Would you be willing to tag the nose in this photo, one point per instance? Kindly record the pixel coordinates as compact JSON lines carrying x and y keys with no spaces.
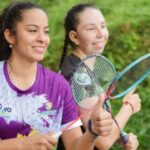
{"x":42,"y":37}
{"x":99,"y":32}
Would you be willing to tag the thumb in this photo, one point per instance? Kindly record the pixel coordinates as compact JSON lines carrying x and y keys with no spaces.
{"x":100,"y":102}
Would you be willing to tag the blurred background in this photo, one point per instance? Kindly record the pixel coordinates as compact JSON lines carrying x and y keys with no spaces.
{"x":128,"y":22}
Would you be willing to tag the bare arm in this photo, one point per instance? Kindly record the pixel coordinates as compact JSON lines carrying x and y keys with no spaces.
{"x":75,"y":140}
{"x":106,"y":142}
{"x":36,"y":142}
{"x":11,"y":144}
{"x":122,"y":119}
{"x":101,"y":124}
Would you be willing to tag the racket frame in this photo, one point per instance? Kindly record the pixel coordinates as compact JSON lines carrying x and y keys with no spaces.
{"x":120,"y":74}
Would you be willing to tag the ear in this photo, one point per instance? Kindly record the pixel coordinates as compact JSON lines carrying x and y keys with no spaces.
{"x":74,"y":37}
{"x":9,"y":36}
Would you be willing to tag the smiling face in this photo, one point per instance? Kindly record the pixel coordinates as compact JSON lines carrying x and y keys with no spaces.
{"x":31,"y":39}
{"x":91,"y":33}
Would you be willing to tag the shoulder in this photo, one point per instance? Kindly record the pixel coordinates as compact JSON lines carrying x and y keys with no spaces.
{"x":70,"y":61}
{"x":69,"y":65}
{"x":51,"y":76}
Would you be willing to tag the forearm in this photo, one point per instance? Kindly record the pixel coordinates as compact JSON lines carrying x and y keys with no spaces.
{"x":11,"y":144}
{"x":105,"y":143}
{"x":123,"y":115}
{"x":84,"y":142}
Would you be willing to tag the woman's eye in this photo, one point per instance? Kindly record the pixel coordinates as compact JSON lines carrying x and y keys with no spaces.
{"x":90,"y":28}
{"x":103,"y":26}
{"x":47,"y":32}
{"x":32,"y":31}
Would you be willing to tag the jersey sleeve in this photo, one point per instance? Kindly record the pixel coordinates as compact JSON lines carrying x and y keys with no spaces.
{"x":70,"y":111}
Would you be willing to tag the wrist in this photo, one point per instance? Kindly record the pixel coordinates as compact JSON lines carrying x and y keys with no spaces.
{"x":95,"y":135}
{"x":128,"y":103}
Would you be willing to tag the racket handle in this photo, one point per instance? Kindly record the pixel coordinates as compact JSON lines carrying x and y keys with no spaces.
{"x":124,"y":137}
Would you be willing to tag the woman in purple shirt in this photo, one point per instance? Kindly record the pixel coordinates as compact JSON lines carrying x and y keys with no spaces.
{"x":36,"y":103}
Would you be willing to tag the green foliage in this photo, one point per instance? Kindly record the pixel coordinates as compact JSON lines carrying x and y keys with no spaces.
{"x":128,"y":22}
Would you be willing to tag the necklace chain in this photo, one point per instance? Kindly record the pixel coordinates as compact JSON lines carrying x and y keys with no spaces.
{"x":10,"y":73}
{"x":11,"y":76}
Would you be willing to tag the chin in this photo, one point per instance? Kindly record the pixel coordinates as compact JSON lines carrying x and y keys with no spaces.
{"x":39,"y":58}
{"x":99,"y":51}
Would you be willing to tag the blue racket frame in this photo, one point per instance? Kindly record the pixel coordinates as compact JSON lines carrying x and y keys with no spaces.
{"x":120,"y":74}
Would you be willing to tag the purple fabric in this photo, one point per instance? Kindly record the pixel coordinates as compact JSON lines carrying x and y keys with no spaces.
{"x":46,"y":105}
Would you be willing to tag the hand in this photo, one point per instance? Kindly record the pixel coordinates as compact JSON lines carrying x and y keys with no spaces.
{"x":132,"y":142}
{"x":39,"y":141}
{"x":101,"y":119}
{"x":134,"y":100}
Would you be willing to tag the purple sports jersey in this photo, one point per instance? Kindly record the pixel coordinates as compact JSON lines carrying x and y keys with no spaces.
{"x":44,"y":107}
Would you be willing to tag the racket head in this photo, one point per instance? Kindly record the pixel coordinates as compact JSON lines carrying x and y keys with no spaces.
{"x":131,"y":76}
{"x":92,"y":77}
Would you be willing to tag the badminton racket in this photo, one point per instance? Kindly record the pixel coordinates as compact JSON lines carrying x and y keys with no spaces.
{"x":96,"y":75}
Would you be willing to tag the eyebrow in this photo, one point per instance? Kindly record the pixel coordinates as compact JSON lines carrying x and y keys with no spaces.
{"x":33,"y":25}
{"x":91,"y":24}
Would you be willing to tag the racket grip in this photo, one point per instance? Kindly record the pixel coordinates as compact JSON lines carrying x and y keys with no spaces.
{"x":124,"y":137}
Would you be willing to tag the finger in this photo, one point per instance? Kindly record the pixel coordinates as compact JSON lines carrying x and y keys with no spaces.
{"x":132,"y":91}
{"x":104,"y":123}
{"x":103,"y":131}
{"x":132,"y":139}
{"x":99,"y":104}
{"x":51,"y":139}
{"x":47,"y":142}
{"x":102,"y":116}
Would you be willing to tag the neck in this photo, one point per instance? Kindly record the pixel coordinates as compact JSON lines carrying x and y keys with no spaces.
{"x":22,"y":74}
{"x":79,"y":53}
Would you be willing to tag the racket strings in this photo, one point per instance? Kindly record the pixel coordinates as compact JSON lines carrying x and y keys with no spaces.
{"x":104,"y":73}
{"x":83,"y":86}
{"x":91,"y":79}
{"x":133,"y":74}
